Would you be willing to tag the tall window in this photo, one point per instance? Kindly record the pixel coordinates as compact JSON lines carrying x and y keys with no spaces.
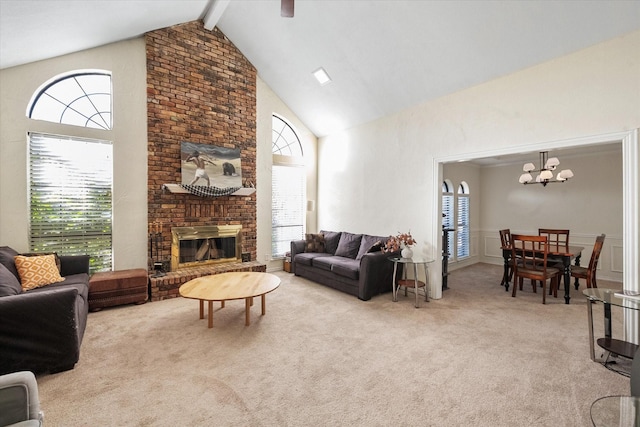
{"x":70,"y":197}
{"x":448,"y":221}
{"x":288,"y":188}
{"x":462,"y":247}
{"x":71,"y":177}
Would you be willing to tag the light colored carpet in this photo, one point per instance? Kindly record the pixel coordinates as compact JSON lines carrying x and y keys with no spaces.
{"x":477,"y":357}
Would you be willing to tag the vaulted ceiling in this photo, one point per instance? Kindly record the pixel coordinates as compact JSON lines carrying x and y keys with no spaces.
{"x":382,"y":55}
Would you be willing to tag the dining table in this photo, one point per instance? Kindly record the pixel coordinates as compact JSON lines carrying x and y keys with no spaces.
{"x":556,"y":252}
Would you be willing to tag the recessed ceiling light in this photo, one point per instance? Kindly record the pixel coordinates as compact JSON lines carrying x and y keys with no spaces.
{"x":321,"y":75}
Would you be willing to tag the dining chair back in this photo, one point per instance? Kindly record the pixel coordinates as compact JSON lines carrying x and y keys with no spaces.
{"x":589,"y":273}
{"x":505,"y":238}
{"x":558,"y":238}
{"x":505,"y":243}
{"x":532,"y":253}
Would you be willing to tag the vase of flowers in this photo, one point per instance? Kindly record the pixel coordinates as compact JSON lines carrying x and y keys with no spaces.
{"x":401,"y":242}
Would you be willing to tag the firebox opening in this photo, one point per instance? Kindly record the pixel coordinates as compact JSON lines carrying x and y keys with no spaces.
{"x":195,"y":246}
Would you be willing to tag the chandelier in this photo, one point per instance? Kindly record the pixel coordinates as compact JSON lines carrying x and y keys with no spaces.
{"x":547,"y":166}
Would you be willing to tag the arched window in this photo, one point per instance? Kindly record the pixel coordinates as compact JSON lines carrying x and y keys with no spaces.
{"x":71,"y":176}
{"x":80,"y":98}
{"x":288,"y":188}
{"x":462,"y":247}
{"x":448,"y":221}
{"x":285,"y":141}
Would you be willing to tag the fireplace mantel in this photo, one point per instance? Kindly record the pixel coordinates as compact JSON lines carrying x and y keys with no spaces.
{"x":175,"y":188}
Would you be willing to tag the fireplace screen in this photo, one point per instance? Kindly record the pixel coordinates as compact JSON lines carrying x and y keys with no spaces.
{"x":194,"y":246}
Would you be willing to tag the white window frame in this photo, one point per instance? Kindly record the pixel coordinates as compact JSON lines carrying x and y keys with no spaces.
{"x":70,"y":197}
{"x":462,"y":226}
{"x":288,"y":196}
{"x":448,"y":221}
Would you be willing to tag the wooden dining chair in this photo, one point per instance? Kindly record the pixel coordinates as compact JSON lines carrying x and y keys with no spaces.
{"x":505,"y":242}
{"x":589,"y":273}
{"x":556,"y":237}
{"x":559,"y":239}
{"x":532,"y":252}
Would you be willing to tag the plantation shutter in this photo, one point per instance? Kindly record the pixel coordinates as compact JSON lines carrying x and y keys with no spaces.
{"x":70,"y":197}
{"x":448,"y":220}
{"x":288,"y":207}
{"x":463,"y":226}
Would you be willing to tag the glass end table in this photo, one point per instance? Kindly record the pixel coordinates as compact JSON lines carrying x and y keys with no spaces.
{"x":616,"y":411}
{"x":415,"y":283}
{"x":609,"y":298}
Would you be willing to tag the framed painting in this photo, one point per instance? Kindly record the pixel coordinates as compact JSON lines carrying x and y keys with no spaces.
{"x":210,"y":165}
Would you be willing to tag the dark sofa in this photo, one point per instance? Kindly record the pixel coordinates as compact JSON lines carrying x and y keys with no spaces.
{"x":41,"y":329}
{"x":351,"y":263}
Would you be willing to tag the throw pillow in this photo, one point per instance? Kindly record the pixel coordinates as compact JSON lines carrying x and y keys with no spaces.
{"x":55,"y":255}
{"x":349,"y":245}
{"x":331,"y":240}
{"x":37,"y":271}
{"x":376,"y":247}
{"x":314,"y":243}
{"x":9,"y":285}
{"x":369,"y":244}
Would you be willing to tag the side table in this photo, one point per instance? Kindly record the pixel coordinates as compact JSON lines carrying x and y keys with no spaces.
{"x":616,"y":411}
{"x":608,"y":298}
{"x":415,"y":283}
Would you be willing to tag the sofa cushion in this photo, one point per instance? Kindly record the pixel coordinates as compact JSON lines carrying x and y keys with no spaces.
{"x":331,"y":239}
{"x":9,"y":285}
{"x":346,"y":267}
{"x":306,"y":258}
{"x":37,"y":271}
{"x":79,"y":281}
{"x":349,"y":245}
{"x":370,"y":244}
{"x":314,"y":243}
{"x":7,"y":256}
{"x":324,"y":263}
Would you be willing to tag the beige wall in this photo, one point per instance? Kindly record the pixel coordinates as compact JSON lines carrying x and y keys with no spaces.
{"x":383,"y":176}
{"x":126,"y":61}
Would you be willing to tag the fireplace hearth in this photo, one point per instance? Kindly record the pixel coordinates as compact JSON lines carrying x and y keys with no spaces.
{"x":203,"y":245}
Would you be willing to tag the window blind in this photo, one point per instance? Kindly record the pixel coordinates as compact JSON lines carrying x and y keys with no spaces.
{"x":288,"y":207}
{"x":70,"y":197}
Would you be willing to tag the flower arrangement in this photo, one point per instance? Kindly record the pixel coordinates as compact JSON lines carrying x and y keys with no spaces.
{"x":400,"y":241}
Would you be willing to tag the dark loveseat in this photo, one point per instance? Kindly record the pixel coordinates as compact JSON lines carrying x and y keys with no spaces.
{"x":41,"y":329}
{"x":351,"y":263}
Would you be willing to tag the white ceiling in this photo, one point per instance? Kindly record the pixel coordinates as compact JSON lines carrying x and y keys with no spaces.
{"x":383,"y":55}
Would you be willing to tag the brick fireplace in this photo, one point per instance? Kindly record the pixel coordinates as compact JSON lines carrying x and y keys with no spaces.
{"x":200,"y":89}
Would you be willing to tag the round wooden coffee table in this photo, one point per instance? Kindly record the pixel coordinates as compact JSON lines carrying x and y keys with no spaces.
{"x":229,"y":286}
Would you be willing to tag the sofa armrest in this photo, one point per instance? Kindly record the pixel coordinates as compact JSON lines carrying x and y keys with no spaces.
{"x":297,"y":246}
{"x":376,"y":274}
{"x":74,"y":264}
{"x":38,"y":331}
